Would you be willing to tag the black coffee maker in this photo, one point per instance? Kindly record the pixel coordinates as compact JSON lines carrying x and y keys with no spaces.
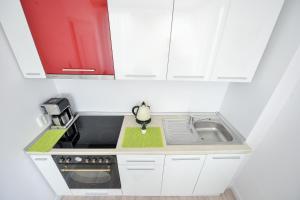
{"x":60,"y":111}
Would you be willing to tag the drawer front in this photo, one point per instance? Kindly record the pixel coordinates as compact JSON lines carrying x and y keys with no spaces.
{"x":140,"y":159}
{"x":142,"y":180}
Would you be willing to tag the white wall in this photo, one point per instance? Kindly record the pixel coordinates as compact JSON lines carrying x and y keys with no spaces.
{"x":163,"y":96}
{"x":243,"y":103}
{"x":20,"y":99}
{"x":272,"y":171}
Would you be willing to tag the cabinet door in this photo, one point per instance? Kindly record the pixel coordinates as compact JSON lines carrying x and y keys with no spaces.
{"x":71,"y":36}
{"x":217,"y":173}
{"x":18,"y":34}
{"x":140,"y":31}
{"x":246,"y":33}
{"x":181,"y":174}
{"x":143,"y":176}
{"x":196,"y":29}
{"x":51,"y":173}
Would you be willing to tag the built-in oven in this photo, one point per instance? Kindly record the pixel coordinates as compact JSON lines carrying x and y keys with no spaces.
{"x":89,"y":172}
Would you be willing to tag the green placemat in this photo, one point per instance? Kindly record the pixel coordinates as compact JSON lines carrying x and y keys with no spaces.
{"x":46,"y":142}
{"x":134,"y":138}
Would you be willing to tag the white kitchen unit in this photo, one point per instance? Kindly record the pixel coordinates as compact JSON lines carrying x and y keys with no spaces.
{"x":243,"y":39}
{"x":196,"y":29}
{"x":181,"y":173}
{"x":220,"y":40}
{"x":141,"y":174}
{"x":49,"y":170}
{"x":18,"y":34}
{"x":217,"y":173}
{"x":140,"y":33}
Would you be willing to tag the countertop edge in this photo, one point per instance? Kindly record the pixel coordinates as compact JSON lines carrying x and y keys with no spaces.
{"x":166,"y":150}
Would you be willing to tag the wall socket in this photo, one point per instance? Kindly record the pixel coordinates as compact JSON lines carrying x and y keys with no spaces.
{"x":43,"y":120}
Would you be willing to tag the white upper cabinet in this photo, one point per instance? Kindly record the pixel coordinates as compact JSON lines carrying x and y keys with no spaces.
{"x":246,"y":33}
{"x":15,"y":27}
{"x":220,"y":40}
{"x":140,"y":33}
{"x":196,"y":29}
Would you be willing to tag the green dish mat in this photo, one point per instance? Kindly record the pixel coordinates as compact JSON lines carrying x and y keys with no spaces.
{"x":134,"y":138}
{"x":46,"y":142}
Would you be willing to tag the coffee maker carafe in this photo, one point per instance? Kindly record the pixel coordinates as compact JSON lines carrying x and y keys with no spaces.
{"x":60,"y":111}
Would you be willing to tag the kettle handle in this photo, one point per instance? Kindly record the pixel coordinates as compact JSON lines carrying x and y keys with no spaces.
{"x":134,"y":110}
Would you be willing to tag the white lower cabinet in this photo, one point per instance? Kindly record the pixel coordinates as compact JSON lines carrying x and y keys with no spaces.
{"x":141,"y":175}
{"x":180,"y":174}
{"x":49,"y":170}
{"x":217,"y":173}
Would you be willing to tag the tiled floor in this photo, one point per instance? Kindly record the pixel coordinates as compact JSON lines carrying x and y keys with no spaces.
{"x":228,"y":195}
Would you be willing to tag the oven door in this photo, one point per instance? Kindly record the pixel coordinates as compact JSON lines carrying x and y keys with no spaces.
{"x":91,"y":176}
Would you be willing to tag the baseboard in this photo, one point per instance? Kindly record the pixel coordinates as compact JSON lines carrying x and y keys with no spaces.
{"x":235,"y":193}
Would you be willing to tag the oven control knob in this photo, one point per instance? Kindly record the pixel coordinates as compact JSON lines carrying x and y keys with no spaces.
{"x":61,"y":160}
{"x":68,"y":159}
{"x":106,"y":160}
{"x":93,"y":160}
{"x":78,"y":159}
{"x":87,"y":160}
{"x":100,"y":160}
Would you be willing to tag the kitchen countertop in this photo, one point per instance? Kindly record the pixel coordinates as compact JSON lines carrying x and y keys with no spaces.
{"x":156,"y":121}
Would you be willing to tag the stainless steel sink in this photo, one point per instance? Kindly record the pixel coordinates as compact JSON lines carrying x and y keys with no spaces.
{"x":212,"y":132}
{"x":208,"y":128}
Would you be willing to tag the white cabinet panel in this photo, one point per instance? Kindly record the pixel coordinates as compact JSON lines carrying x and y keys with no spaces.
{"x":217,"y":173}
{"x":196,"y":29}
{"x":18,"y":34}
{"x":143,"y":178}
{"x":181,"y":174}
{"x":140,"y":32}
{"x":140,"y":160}
{"x":49,"y":170}
{"x":96,"y":192}
{"x":246,"y":33}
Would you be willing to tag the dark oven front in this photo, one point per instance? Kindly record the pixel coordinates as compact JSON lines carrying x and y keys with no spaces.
{"x":89,"y":172}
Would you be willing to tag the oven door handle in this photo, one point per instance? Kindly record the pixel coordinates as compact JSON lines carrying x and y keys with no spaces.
{"x":85,"y":170}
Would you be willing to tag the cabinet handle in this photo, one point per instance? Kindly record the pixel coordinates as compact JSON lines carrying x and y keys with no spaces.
{"x":140,"y":169}
{"x":140,"y":75}
{"x":85,"y":170}
{"x":188,"y":76}
{"x":33,"y":74}
{"x":227,"y":157}
{"x":41,"y":159}
{"x":77,"y":70}
{"x":232,"y":77}
{"x":178,"y":159}
{"x":130,"y":161}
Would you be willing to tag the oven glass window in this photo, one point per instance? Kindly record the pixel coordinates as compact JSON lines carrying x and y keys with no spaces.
{"x":90,"y":175}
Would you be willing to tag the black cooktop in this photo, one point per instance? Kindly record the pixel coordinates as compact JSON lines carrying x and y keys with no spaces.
{"x":92,"y":132}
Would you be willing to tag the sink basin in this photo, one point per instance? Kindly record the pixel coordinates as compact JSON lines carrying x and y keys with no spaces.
{"x":212,"y":132}
{"x":200,"y":130}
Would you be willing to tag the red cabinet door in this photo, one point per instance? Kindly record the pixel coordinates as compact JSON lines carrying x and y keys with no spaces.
{"x":71,"y":36}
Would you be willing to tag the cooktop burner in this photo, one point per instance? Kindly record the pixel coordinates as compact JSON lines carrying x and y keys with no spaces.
{"x":92,"y":132}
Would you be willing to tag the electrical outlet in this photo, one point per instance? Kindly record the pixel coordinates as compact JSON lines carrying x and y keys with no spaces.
{"x":43,"y":120}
